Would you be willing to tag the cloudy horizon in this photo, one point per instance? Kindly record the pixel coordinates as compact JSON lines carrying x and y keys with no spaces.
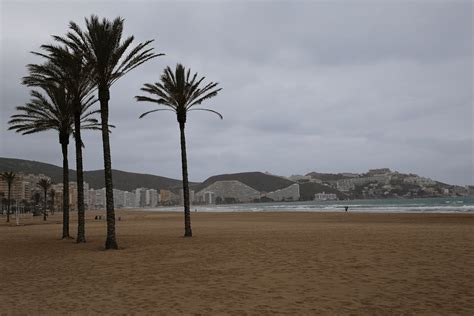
{"x":341,"y":86}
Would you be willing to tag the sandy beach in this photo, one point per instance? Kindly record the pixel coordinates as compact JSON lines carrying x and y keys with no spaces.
{"x":242,"y":264}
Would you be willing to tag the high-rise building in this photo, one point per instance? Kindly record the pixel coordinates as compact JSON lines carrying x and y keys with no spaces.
{"x":140,"y":197}
{"x":100,"y":199}
{"x":119,"y":198}
{"x":91,"y":199}
{"x":129,"y":198}
{"x":152,"y":198}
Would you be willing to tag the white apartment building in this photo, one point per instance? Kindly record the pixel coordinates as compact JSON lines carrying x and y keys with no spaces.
{"x":140,"y":197}
{"x":119,"y":198}
{"x":325,"y":196}
{"x":129,"y":199}
{"x":151,"y":198}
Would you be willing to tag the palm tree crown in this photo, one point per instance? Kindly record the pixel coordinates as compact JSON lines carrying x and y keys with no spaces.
{"x":64,"y":66}
{"x":44,"y":183}
{"x":51,"y":112}
{"x":104,"y":51}
{"x":9,"y":177}
{"x":179,"y":92}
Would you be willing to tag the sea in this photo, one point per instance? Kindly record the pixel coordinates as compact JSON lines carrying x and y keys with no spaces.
{"x":463,"y":204}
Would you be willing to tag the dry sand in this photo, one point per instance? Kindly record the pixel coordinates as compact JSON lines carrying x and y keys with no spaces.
{"x":242,"y":263}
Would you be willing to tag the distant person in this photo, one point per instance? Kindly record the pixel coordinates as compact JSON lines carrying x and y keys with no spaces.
{"x":346,"y":207}
{"x":195,"y":210}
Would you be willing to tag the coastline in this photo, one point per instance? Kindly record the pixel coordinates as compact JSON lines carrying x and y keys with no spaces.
{"x":243,"y":263}
{"x":464,"y":204}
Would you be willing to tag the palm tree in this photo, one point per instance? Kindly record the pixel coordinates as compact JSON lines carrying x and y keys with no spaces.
{"x":8,"y":177}
{"x":52,"y":193}
{"x":53,"y":112}
{"x":104,"y":51}
{"x":179,"y":92}
{"x":68,"y":67}
{"x":45,"y":184}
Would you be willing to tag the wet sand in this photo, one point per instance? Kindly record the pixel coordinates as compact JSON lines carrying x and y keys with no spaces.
{"x":242,"y":264}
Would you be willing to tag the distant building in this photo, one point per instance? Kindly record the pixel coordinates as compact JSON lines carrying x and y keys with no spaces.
{"x":379,"y":171}
{"x":325,"y":196}
{"x":350,"y":174}
{"x":345,"y":185}
{"x":419,"y":180}
{"x":119,"y":198}
{"x":100,"y":199}
{"x":209,"y":197}
{"x":92,"y":199}
{"x":291,"y":192}
{"x":231,"y":190}
{"x":129,"y":199}
{"x":140,"y":197}
{"x":152,"y":198}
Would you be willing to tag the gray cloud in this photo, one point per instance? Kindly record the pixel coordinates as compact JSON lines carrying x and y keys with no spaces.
{"x":326,"y":86}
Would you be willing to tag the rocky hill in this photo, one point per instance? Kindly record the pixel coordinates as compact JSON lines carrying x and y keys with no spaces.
{"x":385,"y":183}
{"x":258,"y":180}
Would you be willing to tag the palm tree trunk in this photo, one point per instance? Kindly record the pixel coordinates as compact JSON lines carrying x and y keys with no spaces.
{"x":104,"y":96}
{"x":8,"y":203}
{"x":184,"y":163}
{"x":45,"y":203}
{"x":64,"y":145}
{"x":81,"y":237}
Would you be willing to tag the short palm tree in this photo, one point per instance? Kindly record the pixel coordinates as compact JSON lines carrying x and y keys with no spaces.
{"x":53,"y":111}
{"x":52,"y":193}
{"x":45,"y":184}
{"x":105,"y":52}
{"x":180,"y":93}
{"x":8,"y":177}
{"x":69,"y":68}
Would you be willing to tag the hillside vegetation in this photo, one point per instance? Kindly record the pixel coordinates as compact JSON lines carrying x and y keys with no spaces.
{"x":122,"y":180}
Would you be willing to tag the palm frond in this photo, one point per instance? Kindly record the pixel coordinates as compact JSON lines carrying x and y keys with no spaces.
{"x":156,"y":110}
{"x":209,"y":110}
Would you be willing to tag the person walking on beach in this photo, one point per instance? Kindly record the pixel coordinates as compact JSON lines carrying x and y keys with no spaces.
{"x":346,"y":207}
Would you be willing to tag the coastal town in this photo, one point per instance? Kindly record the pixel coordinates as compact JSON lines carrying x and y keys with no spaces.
{"x":374,"y":184}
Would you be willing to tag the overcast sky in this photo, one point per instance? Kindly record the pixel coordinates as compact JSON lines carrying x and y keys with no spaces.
{"x":307,"y":86}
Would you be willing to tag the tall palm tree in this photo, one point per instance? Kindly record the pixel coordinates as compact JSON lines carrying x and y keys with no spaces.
{"x":179,"y":92}
{"x":8,"y":177}
{"x":104,"y":50}
{"x":45,"y":184}
{"x":68,"y":67}
{"x":52,"y":193}
{"x":53,"y":112}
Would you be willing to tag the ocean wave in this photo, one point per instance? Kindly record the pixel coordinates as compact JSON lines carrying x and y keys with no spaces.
{"x":435,"y":205}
